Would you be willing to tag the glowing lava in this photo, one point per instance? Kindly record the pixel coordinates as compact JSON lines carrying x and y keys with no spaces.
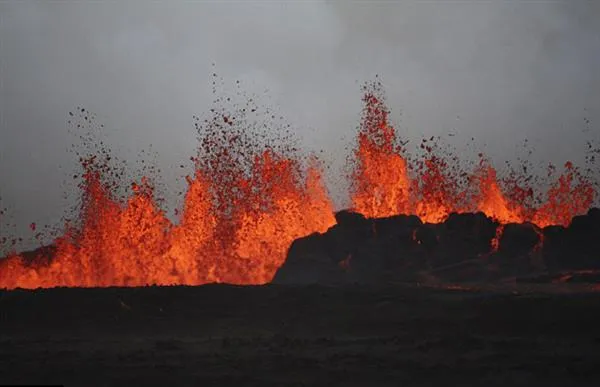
{"x":237,"y":222}
{"x":245,"y":204}
{"x":384,"y":186}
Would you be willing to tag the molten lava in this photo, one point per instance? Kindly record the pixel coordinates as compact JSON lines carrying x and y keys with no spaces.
{"x":245,"y":205}
{"x":134,"y":244}
{"x":383,"y":185}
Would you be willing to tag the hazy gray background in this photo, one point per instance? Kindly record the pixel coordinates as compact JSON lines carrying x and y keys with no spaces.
{"x":500,"y":71}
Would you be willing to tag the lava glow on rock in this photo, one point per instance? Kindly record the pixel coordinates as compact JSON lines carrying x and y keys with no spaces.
{"x":242,"y":210}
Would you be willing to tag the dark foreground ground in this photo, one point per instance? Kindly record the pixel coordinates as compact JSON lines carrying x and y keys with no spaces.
{"x":299,"y":336}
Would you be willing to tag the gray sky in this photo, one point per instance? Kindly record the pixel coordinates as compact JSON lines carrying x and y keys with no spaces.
{"x":499,"y":71}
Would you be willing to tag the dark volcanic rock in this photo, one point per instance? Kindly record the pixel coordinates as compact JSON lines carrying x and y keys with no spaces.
{"x":358,"y":249}
{"x":398,"y":248}
{"x":464,"y":237}
{"x":518,"y":239}
{"x":402,"y":248}
{"x":349,"y":218}
{"x":391,"y":253}
{"x":517,"y":251}
{"x":576,"y":247}
{"x":351,"y":231}
{"x":554,"y":248}
{"x":307,"y":262}
{"x":324,"y":258}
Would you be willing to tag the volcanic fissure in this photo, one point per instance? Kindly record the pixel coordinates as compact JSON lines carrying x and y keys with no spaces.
{"x":248,"y":201}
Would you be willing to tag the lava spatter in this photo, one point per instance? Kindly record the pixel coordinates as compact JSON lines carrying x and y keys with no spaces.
{"x":247,"y":201}
{"x":252,"y":193}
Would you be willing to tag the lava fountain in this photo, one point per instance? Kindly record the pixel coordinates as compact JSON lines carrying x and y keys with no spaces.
{"x":249,"y":199}
{"x":244,"y":205}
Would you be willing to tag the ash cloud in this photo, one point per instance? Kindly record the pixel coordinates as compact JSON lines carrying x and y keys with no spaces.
{"x":497,"y":71}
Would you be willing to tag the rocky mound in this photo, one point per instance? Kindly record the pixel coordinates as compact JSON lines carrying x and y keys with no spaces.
{"x":464,"y":248}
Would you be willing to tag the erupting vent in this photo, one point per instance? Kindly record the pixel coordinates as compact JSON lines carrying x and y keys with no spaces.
{"x":247,"y":202}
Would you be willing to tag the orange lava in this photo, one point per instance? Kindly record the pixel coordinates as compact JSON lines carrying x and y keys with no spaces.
{"x":495,"y":242}
{"x":241,"y":212}
{"x":383,"y":185}
{"x":134,"y":244}
{"x":568,"y":197}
